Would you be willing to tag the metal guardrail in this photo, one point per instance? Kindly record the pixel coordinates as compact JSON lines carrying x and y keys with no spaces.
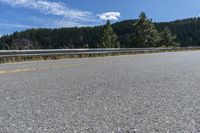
{"x":7,"y":53}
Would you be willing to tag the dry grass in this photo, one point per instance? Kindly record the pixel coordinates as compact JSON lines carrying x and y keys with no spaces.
{"x":12,"y":59}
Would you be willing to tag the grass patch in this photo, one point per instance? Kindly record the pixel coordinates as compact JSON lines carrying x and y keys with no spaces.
{"x":11,"y":59}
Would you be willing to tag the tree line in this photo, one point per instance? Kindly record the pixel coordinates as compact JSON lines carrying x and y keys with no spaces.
{"x":126,"y":34}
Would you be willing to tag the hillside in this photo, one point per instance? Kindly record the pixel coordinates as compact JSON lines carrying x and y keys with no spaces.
{"x":187,"y":32}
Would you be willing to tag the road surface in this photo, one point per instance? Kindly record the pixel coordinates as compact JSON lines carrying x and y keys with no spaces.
{"x":121,"y":94}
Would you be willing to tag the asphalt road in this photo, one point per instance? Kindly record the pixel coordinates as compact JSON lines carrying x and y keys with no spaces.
{"x":121,"y":94}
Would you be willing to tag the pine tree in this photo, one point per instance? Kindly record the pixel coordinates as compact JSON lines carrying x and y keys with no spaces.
{"x":167,"y":38}
{"x":108,"y":38}
{"x":146,"y":35}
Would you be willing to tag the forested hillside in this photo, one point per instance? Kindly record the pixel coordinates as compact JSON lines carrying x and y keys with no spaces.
{"x":187,"y":33}
{"x":187,"y":30}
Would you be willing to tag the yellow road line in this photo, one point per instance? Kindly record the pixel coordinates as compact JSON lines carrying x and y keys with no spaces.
{"x":3,"y":72}
{"x":58,"y":66}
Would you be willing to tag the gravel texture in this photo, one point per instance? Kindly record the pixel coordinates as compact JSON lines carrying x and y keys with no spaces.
{"x":121,"y":94}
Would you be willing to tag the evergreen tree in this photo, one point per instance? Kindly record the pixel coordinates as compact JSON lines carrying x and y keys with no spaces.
{"x":108,"y":38}
{"x":187,"y":32}
{"x":145,"y":34}
{"x":167,"y":38}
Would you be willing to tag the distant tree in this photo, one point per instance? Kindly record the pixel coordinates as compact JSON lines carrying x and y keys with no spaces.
{"x":22,"y":44}
{"x":108,"y":38}
{"x":187,"y":32}
{"x":146,"y":35}
{"x":167,"y":38}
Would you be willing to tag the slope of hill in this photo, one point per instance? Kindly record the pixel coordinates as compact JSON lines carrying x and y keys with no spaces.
{"x":186,"y":30}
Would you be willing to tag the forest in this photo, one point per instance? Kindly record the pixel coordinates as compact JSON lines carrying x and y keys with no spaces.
{"x":141,"y":32}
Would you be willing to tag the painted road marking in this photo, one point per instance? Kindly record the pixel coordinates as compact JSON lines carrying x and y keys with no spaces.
{"x":58,"y":66}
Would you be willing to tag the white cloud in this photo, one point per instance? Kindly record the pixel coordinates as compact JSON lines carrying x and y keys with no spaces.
{"x":53,"y":22}
{"x":9,"y":25}
{"x":61,"y":15}
{"x":54,"y":8}
{"x":109,"y":16}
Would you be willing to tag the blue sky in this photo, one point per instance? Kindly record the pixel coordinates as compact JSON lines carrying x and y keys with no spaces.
{"x":17,"y":15}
